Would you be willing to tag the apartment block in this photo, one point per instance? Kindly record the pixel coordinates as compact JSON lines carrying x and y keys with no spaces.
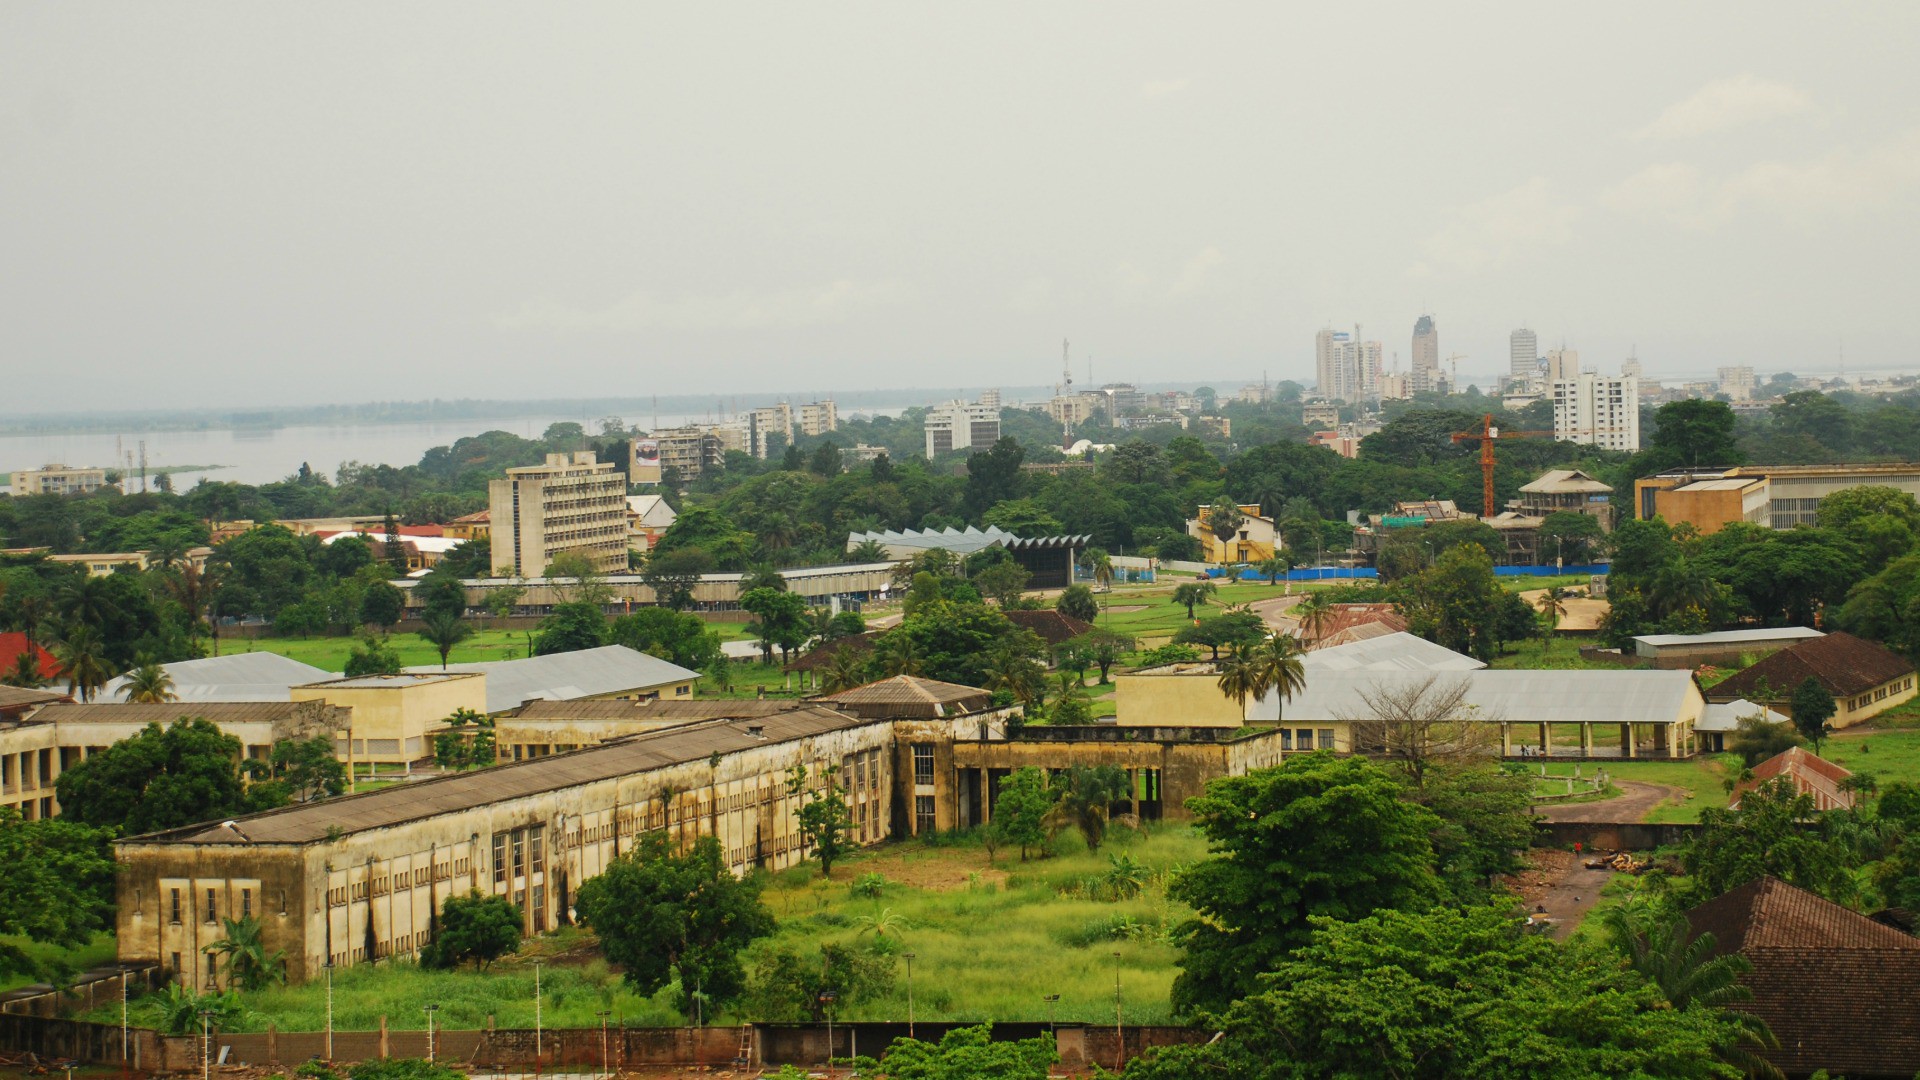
{"x":1598,"y":410}
{"x":959,"y":425}
{"x":58,"y":480}
{"x":1348,"y":369}
{"x":570,"y":504}
{"x":819,"y":418}
{"x":765,"y":426}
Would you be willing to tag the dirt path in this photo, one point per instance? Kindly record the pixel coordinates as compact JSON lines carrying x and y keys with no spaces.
{"x":1635,"y":801}
{"x":1557,"y":888}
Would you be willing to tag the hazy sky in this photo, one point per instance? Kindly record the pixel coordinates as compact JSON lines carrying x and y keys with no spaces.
{"x":267,"y":203}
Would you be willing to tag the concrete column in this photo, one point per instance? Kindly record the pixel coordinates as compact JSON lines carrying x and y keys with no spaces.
{"x":1506,"y":740}
{"x":1586,"y":744}
{"x":1626,"y":740}
{"x":1546,"y":740}
{"x":383,"y":1037}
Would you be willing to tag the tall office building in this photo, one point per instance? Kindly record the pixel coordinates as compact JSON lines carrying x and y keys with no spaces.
{"x":958,"y":425}
{"x":1347,"y":368}
{"x":1562,"y":365}
{"x":570,"y":504}
{"x":1523,"y":352}
{"x":819,"y":418}
{"x":1598,"y":410}
{"x":1426,"y":356}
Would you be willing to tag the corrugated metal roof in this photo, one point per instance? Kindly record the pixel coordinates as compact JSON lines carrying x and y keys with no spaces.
{"x":962,"y":541}
{"x":1726,"y":715}
{"x":904,"y":696}
{"x":1391,"y":652}
{"x":388,"y":682}
{"x":12,"y":697}
{"x":1554,"y":697}
{"x":621,"y":708}
{"x":219,"y":712}
{"x":1730,"y":637}
{"x":310,"y":823}
{"x":1563,"y":482}
{"x":610,"y":669}
{"x":253,"y":676}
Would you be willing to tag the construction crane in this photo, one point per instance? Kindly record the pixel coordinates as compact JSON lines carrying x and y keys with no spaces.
{"x":1488,"y":435}
{"x":1453,"y":385}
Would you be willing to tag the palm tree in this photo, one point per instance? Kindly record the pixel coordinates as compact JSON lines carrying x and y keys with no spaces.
{"x":762,"y":576}
{"x":31,"y":611}
{"x":1018,"y":675}
{"x":1680,"y":585}
{"x":1553,"y":603}
{"x":149,"y":684}
{"x":26,"y":672}
{"x":1273,"y":567}
{"x":842,"y":671}
{"x":194,"y":587}
{"x":165,"y":553}
{"x":1193,"y":594}
{"x":1314,"y":612}
{"x":1276,"y":668}
{"x":887,"y":922}
{"x":1100,"y":565}
{"x":897,"y":655}
{"x":1238,"y":679}
{"x":869,"y":551}
{"x":86,"y":667}
{"x":249,"y":965}
{"x":1660,"y":946}
{"x":445,"y":629}
{"x":87,"y":600}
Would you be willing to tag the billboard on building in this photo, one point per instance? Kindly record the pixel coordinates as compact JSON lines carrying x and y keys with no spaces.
{"x":646,"y":462}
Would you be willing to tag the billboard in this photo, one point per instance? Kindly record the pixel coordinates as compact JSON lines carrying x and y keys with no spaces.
{"x":645,"y":467}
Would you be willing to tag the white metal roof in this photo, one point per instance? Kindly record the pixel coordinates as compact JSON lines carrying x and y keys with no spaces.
{"x":1399,"y":651}
{"x":253,"y":676}
{"x":1553,"y":697}
{"x":610,"y":669}
{"x":1730,"y":637}
{"x":1726,"y":715}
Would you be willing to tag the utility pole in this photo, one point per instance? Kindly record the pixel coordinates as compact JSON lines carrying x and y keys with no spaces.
{"x":330,"y":1006}
{"x":1119,"y":1037}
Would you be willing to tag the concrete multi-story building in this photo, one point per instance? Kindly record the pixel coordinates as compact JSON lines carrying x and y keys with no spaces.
{"x":1631,"y":366}
{"x":1738,"y":382}
{"x":1780,"y":496}
{"x":58,"y":480}
{"x":1123,"y":399}
{"x":1320,"y":414}
{"x":1348,"y":369}
{"x":769,"y":429}
{"x":1425,"y":374}
{"x":690,"y":451}
{"x":819,"y":418}
{"x":1523,"y":355}
{"x":1563,"y":365}
{"x":570,"y":504}
{"x":959,"y":425}
{"x":1598,"y":410}
{"x":990,"y":397}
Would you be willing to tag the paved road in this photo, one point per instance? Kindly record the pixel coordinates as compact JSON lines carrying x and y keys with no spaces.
{"x":1635,"y":801}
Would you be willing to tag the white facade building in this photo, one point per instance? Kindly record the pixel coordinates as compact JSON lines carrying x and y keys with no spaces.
{"x":958,"y":425}
{"x":1523,"y":355}
{"x":1348,"y":369}
{"x":1425,"y":375}
{"x":1598,"y":410}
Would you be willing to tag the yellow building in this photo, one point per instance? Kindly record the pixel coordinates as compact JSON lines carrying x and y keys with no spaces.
{"x":1864,"y":677}
{"x":102,"y":564}
{"x":58,"y":480}
{"x":474,"y":526}
{"x":396,"y":716}
{"x":1709,"y":503}
{"x":1175,"y":696}
{"x":1254,"y":541}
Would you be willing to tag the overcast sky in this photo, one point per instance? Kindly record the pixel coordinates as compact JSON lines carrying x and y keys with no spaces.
{"x":272,"y":204}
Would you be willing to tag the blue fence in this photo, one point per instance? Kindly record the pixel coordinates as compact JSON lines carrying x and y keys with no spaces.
{"x":1365,"y":573}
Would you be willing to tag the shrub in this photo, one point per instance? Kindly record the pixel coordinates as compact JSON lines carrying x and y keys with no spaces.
{"x":869,"y":885}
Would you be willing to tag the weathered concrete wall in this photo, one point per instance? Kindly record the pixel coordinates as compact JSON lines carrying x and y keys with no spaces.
{"x":52,"y":1039}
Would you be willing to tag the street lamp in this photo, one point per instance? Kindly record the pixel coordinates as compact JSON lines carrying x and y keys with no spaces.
{"x":909,"y":959}
{"x":430,"y":1010}
{"x":1119,"y":1037}
{"x":827,"y":998}
{"x":536,"y":1015}
{"x":604,"y":1067}
{"x":206,"y":1043}
{"x":124,"y":1065}
{"x":1051,"y":1000}
{"x":329,"y":1008}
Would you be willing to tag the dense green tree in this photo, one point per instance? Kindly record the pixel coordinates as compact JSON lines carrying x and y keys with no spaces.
{"x":1271,"y":868}
{"x":1027,"y":799}
{"x":371,"y":656}
{"x":780,"y":620}
{"x":1449,"y":992}
{"x":1231,"y":630}
{"x":1003,"y":583}
{"x":468,"y":742}
{"x":788,"y":987}
{"x":250,"y":965}
{"x":571,"y":628}
{"x":162,"y":778}
{"x":1456,"y":603}
{"x":674,"y":636}
{"x":306,"y":768}
{"x":58,"y":885}
{"x":965,"y":1053}
{"x":1813,"y":706}
{"x":824,"y":818}
{"x":475,"y":928}
{"x":673,"y":574}
{"x":1766,"y":835}
{"x":1023,"y":517}
{"x":1571,"y":536}
{"x":1077,"y":601}
{"x":1694,"y":433}
{"x":993,"y":476}
{"x":664,"y":914}
{"x":382,"y":605}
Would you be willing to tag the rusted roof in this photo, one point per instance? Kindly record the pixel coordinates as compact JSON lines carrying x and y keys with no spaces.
{"x":19,"y":697}
{"x":310,"y":823}
{"x":1052,"y":627}
{"x":1844,"y":664}
{"x":909,"y":696}
{"x":1343,"y":617}
{"x":1796,"y":759}
{"x":1840,"y":990}
{"x":670,"y":709}
{"x":218,"y":712}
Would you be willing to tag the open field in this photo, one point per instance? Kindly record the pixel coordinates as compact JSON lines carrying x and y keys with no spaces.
{"x":989,"y":940}
{"x":1701,"y":778}
{"x":1556,"y":653}
{"x":485,"y":644}
{"x":1890,"y":754}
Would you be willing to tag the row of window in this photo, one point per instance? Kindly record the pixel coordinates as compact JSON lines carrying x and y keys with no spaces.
{"x":176,"y":909}
{"x":1880,"y":694}
{"x":352,"y":892}
{"x":1305,"y":739}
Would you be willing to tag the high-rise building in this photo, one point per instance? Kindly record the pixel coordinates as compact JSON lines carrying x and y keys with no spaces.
{"x":1738,"y":382}
{"x":1425,"y":374}
{"x":58,"y":480}
{"x":958,"y":425}
{"x":569,"y":504}
{"x":1562,"y":365}
{"x":1347,"y":368}
{"x":1598,"y":410}
{"x":765,"y":425}
{"x":990,"y":397}
{"x":1631,"y":366}
{"x":819,"y":418}
{"x":1523,"y":355}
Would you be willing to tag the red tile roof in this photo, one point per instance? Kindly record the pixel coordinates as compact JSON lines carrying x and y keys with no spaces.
{"x":1844,"y":664}
{"x":14,"y":643}
{"x":1839,"y":990}
{"x":1051,"y":626}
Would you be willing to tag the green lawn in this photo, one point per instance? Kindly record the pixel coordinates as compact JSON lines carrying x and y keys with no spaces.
{"x":101,"y":950}
{"x":331,"y":652}
{"x":1701,"y":778}
{"x":1888,"y":754}
{"x":989,"y":940}
{"x":1555,"y":653}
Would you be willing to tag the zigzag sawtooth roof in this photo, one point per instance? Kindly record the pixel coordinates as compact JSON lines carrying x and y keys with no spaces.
{"x":1844,"y":664}
{"x":1554,"y":697}
{"x":310,"y":823}
{"x":964,"y":541}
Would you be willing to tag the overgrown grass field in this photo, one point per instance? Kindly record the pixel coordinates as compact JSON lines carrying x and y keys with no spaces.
{"x":487,"y":643}
{"x":101,"y":950}
{"x":989,"y":941}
